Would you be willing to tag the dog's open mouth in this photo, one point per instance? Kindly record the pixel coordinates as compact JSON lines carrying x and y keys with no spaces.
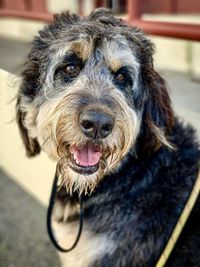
{"x":85,"y":159}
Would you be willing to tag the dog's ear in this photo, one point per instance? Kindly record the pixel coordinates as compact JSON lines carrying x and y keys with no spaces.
{"x":158,"y":117}
{"x":31,"y":144}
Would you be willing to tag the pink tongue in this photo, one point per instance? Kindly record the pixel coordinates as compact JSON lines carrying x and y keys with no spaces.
{"x":88,"y":155}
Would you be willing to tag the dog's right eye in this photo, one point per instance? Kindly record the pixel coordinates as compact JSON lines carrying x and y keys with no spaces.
{"x":71,"y":70}
{"x":68,"y":72}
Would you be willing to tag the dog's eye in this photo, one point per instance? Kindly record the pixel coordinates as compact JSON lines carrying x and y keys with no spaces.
{"x":122,"y":78}
{"x":71,"y":70}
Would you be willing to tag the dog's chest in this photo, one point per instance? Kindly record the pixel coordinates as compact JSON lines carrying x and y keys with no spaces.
{"x":89,"y":248}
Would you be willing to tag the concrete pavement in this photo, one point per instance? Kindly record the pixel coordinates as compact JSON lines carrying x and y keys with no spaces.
{"x":23,"y":236}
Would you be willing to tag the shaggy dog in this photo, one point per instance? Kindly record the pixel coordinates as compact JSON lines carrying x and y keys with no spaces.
{"x":91,"y":99}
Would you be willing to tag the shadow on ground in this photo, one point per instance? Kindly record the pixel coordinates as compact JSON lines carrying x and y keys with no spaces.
{"x":23,"y":238}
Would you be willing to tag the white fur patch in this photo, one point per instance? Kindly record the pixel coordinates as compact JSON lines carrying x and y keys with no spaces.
{"x":89,"y":248}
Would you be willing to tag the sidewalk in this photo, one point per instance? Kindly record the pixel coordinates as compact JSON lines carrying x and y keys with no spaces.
{"x":23,"y":236}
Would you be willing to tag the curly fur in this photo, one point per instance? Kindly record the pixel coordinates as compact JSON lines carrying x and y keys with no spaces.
{"x":150,"y":160}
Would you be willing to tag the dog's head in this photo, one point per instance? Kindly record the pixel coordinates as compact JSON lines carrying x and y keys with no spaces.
{"x":90,"y":95}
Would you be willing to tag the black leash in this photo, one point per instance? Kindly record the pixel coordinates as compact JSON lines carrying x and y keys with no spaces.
{"x":49,"y":215}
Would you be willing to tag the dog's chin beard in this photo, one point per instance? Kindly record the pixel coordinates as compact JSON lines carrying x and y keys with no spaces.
{"x":82,"y":180}
{"x":82,"y":165}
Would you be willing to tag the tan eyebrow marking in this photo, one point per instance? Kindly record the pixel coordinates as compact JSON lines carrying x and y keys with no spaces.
{"x":82,"y":48}
{"x":118,"y":54}
{"x":115,"y":64}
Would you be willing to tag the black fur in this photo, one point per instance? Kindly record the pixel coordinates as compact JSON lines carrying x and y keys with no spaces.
{"x":139,"y":206}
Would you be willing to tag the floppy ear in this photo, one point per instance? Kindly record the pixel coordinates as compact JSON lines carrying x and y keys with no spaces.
{"x":29,"y":88}
{"x":158,"y":117}
{"x":31,"y":144}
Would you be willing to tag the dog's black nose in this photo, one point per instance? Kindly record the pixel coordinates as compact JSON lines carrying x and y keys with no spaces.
{"x":96,"y":124}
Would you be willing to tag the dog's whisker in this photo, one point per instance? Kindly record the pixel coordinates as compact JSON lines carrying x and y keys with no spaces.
{"x":104,"y":163}
{"x":45,"y":141}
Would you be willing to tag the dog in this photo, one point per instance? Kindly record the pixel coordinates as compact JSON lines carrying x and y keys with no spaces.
{"x":92,"y":100}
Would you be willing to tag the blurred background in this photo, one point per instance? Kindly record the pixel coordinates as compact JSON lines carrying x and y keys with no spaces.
{"x":174,"y":27}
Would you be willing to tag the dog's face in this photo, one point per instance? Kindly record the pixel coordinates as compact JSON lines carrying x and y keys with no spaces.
{"x":87,"y":95}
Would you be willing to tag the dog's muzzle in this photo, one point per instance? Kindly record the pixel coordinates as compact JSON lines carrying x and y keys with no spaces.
{"x":95,"y":125}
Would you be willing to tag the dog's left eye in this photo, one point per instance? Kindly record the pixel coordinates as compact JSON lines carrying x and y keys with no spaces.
{"x":122,"y":78}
